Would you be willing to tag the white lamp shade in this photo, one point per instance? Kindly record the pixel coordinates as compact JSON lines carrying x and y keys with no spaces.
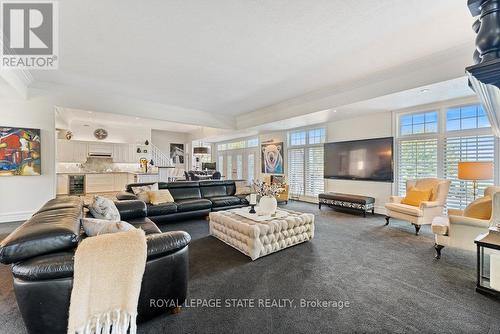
{"x":474,"y":171}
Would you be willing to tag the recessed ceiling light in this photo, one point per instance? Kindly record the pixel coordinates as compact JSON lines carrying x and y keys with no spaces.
{"x":335,"y":110}
{"x":425,"y":90}
{"x":137,"y":118}
{"x":90,"y":112}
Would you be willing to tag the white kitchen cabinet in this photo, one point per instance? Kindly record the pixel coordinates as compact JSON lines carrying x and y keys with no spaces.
{"x":62,"y":184}
{"x":120,"y":181}
{"x":97,"y":183}
{"x":64,"y":151}
{"x":79,"y":151}
{"x":71,"y":151}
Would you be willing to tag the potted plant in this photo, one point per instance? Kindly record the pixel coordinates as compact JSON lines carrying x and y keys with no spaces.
{"x":267,"y":192}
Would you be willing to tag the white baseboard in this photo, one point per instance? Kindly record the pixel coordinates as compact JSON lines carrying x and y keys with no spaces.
{"x":15,"y":216}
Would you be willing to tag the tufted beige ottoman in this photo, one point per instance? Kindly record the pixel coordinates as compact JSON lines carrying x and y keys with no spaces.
{"x":259,"y":238}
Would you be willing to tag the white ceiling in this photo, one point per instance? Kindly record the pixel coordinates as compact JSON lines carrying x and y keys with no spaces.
{"x":438,"y":92}
{"x":66,"y":116}
{"x":231,"y":57}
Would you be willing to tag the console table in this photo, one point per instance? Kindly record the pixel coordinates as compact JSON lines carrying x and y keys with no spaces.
{"x":347,"y":201}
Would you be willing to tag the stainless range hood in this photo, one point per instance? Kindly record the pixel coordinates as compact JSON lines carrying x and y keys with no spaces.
{"x":484,"y":76}
{"x":99,"y":155}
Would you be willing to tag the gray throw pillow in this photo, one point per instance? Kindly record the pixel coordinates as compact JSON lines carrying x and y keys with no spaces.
{"x":104,"y":208}
{"x":93,"y":226}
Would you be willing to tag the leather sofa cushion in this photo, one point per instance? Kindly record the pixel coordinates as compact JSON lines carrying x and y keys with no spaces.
{"x":61,"y":203}
{"x":213,"y":191}
{"x":164,"y":243}
{"x":193,"y":204}
{"x":184,"y":190}
{"x":145,"y":224}
{"x":131,"y":209}
{"x":162,"y":209}
{"x":50,"y":266}
{"x":60,"y":265}
{"x":225,"y":201}
{"x":243,"y":199}
{"x":45,"y":232}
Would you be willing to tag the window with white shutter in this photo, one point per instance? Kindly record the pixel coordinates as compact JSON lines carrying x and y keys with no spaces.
{"x":296,"y":166}
{"x":314,"y":171}
{"x":251,"y":168}
{"x":229,"y":175}
{"x":468,"y":148}
{"x":416,"y":159}
{"x":305,"y":161}
{"x":239,"y":166}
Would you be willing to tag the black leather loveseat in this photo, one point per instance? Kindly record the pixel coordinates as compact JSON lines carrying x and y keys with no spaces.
{"x":193,"y":199}
{"x":41,"y":256}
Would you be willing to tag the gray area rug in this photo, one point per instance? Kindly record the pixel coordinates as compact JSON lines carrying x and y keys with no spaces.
{"x":387,"y":274}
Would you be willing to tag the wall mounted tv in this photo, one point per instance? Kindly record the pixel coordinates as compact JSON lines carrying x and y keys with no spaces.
{"x":365,"y":160}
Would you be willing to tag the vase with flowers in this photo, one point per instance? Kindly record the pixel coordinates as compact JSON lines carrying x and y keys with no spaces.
{"x":267,"y":192}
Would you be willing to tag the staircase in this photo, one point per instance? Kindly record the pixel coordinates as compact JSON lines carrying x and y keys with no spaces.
{"x":159,"y":158}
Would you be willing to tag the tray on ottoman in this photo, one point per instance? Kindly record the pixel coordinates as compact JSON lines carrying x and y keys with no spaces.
{"x":348,"y":201}
{"x":259,"y":238}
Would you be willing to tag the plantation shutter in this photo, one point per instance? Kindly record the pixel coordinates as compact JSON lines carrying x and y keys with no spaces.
{"x":470,"y":148}
{"x":314,"y":175}
{"x":251,"y":167}
{"x":417,"y":159}
{"x":296,"y":171}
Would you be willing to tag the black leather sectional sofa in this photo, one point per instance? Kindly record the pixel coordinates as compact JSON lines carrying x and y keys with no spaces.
{"x":193,"y":199}
{"x":41,"y":256}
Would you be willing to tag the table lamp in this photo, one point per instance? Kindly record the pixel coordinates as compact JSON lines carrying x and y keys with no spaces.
{"x":475,"y":171}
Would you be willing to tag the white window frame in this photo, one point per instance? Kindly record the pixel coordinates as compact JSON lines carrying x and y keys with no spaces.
{"x":441,"y":135}
{"x":306,"y":147}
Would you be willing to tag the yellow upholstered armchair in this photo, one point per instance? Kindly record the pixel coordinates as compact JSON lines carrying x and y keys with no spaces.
{"x":459,"y":229}
{"x":283,"y":196}
{"x":425,"y":213}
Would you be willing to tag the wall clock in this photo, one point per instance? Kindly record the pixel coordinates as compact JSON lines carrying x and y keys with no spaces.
{"x":100,"y":134}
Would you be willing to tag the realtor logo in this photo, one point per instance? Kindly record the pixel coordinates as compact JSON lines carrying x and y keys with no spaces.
{"x":29,"y":34}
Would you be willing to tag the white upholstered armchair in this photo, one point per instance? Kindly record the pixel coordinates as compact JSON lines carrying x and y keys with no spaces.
{"x":459,"y":231}
{"x":425,"y":213}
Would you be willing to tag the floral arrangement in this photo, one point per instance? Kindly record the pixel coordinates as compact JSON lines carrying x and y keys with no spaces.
{"x":264,"y":189}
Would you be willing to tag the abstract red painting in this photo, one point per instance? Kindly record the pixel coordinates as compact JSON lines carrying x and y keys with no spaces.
{"x":20,"y":151}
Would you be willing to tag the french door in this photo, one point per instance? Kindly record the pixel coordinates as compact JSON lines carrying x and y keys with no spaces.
{"x":238,"y":164}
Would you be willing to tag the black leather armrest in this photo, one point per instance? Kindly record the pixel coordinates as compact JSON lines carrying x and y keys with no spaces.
{"x":160,"y":244}
{"x":125,"y":195}
{"x":131,"y":209}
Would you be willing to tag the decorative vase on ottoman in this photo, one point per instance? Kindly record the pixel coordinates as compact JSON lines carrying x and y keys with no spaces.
{"x":267,"y":205}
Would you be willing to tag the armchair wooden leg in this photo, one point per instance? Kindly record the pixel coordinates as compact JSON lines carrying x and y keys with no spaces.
{"x":387,"y":220}
{"x":438,"y":250}
{"x":417,"y":228}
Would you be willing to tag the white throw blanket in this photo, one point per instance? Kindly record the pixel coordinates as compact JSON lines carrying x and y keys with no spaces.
{"x":107,"y":281}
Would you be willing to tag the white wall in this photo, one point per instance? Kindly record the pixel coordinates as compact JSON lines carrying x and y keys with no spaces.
{"x":365,"y":127}
{"x":21,"y":196}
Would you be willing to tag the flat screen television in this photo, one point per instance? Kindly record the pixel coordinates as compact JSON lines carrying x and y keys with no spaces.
{"x":365,"y":160}
{"x":208,"y":165}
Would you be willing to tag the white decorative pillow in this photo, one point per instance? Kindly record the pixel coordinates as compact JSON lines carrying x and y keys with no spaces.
{"x":104,"y":208}
{"x":93,"y":226}
{"x":142,"y":191}
{"x":160,"y":197}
